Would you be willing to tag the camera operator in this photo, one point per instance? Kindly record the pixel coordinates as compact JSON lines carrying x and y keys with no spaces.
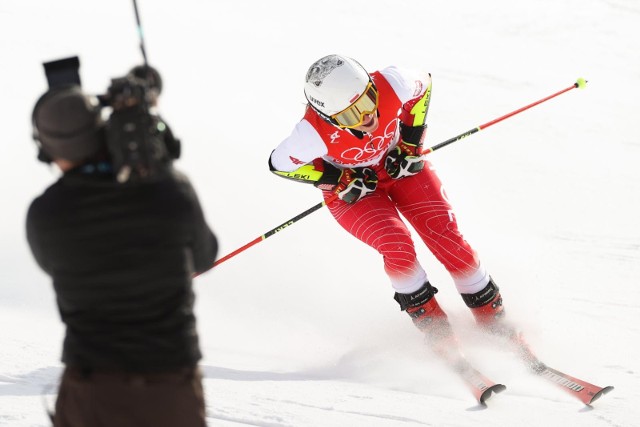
{"x":121,"y":257}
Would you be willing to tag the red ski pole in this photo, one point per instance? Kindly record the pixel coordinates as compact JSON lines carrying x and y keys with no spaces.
{"x":276,"y":229}
{"x":580,"y":83}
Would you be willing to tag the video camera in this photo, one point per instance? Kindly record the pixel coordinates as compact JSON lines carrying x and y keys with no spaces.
{"x":140,"y":144}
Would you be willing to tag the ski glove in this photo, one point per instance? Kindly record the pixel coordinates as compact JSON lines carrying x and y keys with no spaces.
{"x":350,"y":184}
{"x":405,"y":158}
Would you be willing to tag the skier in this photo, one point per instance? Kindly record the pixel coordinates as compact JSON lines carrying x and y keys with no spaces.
{"x":361,"y":138}
{"x":121,"y":257}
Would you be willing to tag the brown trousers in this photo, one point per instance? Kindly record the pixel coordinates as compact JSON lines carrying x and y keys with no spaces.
{"x":107,"y":399}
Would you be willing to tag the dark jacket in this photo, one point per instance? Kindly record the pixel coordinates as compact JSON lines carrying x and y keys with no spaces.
{"x":121,"y":258}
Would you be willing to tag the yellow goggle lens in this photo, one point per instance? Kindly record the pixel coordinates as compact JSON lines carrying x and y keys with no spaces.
{"x":353,"y":116}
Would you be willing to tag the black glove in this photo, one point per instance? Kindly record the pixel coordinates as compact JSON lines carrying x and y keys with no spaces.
{"x":405,"y":158}
{"x":350,"y":184}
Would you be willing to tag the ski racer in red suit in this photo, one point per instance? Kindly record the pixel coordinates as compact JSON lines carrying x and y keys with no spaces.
{"x":361,"y":138}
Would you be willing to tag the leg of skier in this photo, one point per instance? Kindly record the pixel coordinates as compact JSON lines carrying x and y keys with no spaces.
{"x":375,"y":221}
{"x":422,"y":200}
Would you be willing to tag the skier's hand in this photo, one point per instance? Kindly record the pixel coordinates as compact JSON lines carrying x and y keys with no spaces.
{"x":350,"y":184}
{"x":356,"y":183}
{"x":404,"y":160}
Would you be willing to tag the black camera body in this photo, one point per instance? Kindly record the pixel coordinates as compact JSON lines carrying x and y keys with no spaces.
{"x":141,"y":146}
{"x":136,"y":138}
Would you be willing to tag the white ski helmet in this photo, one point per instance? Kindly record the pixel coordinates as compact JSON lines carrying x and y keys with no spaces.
{"x":333,"y":83}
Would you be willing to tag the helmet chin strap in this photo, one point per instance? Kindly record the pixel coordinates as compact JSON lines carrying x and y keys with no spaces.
{"x":357,"y":133}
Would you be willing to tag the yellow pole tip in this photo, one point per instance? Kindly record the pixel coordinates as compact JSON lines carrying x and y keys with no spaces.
{"x":581,"y":83}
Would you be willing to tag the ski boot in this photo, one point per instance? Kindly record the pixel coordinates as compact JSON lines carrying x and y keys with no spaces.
{"x":486,"y":306}
{"x":429,"y":318}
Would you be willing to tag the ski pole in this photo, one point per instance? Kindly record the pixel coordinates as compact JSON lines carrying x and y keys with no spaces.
{"x":140,"y":34}
{"x":580,"y":83}
{"x":276,"y":229}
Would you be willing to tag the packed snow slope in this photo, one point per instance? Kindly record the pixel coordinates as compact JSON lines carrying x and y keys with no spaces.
{"x":302,"y":329}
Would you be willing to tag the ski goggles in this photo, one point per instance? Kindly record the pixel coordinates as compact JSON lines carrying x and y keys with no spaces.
{"x":353,"y":116}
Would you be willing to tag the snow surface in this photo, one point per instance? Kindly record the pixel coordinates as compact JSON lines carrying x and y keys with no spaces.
{"x":302,"y":330}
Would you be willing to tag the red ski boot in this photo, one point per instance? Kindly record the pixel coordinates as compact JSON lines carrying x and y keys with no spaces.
{"x":429,"y":318}
{"x":486,"y":307}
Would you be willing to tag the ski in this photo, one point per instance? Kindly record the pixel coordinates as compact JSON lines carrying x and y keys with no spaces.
{"x":447,"y":348}
{"x":481,"y":386}
{"x":586,"y":392}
